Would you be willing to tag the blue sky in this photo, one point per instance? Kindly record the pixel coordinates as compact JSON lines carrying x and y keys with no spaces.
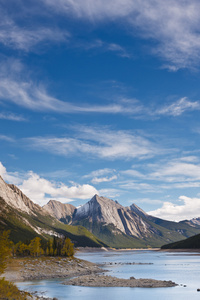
{"x":102,"y":97}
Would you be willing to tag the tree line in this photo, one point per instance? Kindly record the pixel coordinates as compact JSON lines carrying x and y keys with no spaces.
{"x":36,"y":247}
{"x":53,"y":247}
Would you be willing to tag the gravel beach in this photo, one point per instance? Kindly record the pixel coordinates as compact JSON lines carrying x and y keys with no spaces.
{"x":77,"y":272}
{"x":110,"y":281}
{"x":31,"y":268}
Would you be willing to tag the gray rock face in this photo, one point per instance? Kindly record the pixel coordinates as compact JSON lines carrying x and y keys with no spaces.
{"x":59,"y":210}
{"x":16,"y":199}
{"x":17,"y":206}
{"x":33,"y":207}
{"x":107,"y":211}
{"x":193,"y":222}
{"x":138,"y":210}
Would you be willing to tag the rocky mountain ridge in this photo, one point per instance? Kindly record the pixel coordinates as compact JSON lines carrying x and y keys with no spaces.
{"x":115,"y":224}
{"x":60,"y":211}
{"x":26,"y":220}
{"x":15,"y":198}
{"x":106,"y":211}
{"x":100,"y":221}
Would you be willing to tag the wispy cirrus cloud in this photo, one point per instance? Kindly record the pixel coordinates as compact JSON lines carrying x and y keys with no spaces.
{"x":98,"y":142}
{"x":166,"y":174}
{"x":6,"y":138}
{"x":26,"y":37}
{"x":23,"y":91}
{"x":174,"y":24}
{"x":98,"y":176}
{"x":177,"y":171}
{"x":103,"y":46}
{"x":103,"y":179}
{"x":100,"y":172}
{"x":178,"y":108}
{"x":11,"y":117}
{"x":36,"y":97}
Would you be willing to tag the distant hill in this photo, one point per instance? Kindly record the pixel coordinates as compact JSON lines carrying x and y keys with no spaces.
{"x":192,"y":242}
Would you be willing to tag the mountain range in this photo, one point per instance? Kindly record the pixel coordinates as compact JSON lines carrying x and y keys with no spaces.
{"x":119,"y":226}
{"x":99,"y":222}
{"x":26,"y":220}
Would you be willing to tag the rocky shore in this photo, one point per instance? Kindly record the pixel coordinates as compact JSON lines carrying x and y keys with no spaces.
{"x":109,"y":281}
{"x":77,"y":272}
{"x":31,"y":268}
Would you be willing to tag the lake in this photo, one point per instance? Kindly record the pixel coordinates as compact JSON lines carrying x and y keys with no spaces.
{"x":183,"y":268}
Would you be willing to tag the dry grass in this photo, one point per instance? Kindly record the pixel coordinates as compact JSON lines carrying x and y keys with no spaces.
{"x":9,"y":291}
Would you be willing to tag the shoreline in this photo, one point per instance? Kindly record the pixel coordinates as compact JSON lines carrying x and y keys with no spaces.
{"x":33,"y":268}
{"x":74,"y":271}
{"x":103,"y":249}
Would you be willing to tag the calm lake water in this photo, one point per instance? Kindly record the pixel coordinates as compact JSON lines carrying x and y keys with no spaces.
{"x":183,"y":268}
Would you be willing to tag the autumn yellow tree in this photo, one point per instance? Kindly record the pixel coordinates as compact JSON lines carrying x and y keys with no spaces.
{"x":5,"y":250}
{"x":35,"y":247}
{"x":68,"y":248}
{"x":21,"y":249}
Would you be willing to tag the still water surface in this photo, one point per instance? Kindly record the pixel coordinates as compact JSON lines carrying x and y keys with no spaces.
{"x":183,"y":268}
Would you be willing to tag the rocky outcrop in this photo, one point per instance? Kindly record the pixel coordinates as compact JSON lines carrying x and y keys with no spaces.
{"x":60,"y":211}
{"x":106,"y":211}
{"x":195,"y":222}
{"x":33,"y":207}
{"x":12,"y":198}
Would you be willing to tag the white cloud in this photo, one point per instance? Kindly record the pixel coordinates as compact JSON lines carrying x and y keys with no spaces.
{"x":27,"y":37}
{"x":6,"y":138}
{"x":173,"y":24}
{"x":104,"y":46}
{"x":10,"y":177}
{"x":177,"y":171}
{"x":2,"y":170}
{"x":21,"y":90}
{"x":175,"y":212}
{"x":141,"y":186}
{"x":133,"y":173}
{"x":110,"y":193}
{"x":98,"y":142}
{"x":11,"y":117}
{"x":41,"y":190}
{"x":14,"y":88}
{"x":178,"y":108}
{"x":103,"y":179}
{"x":99,"y":172}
